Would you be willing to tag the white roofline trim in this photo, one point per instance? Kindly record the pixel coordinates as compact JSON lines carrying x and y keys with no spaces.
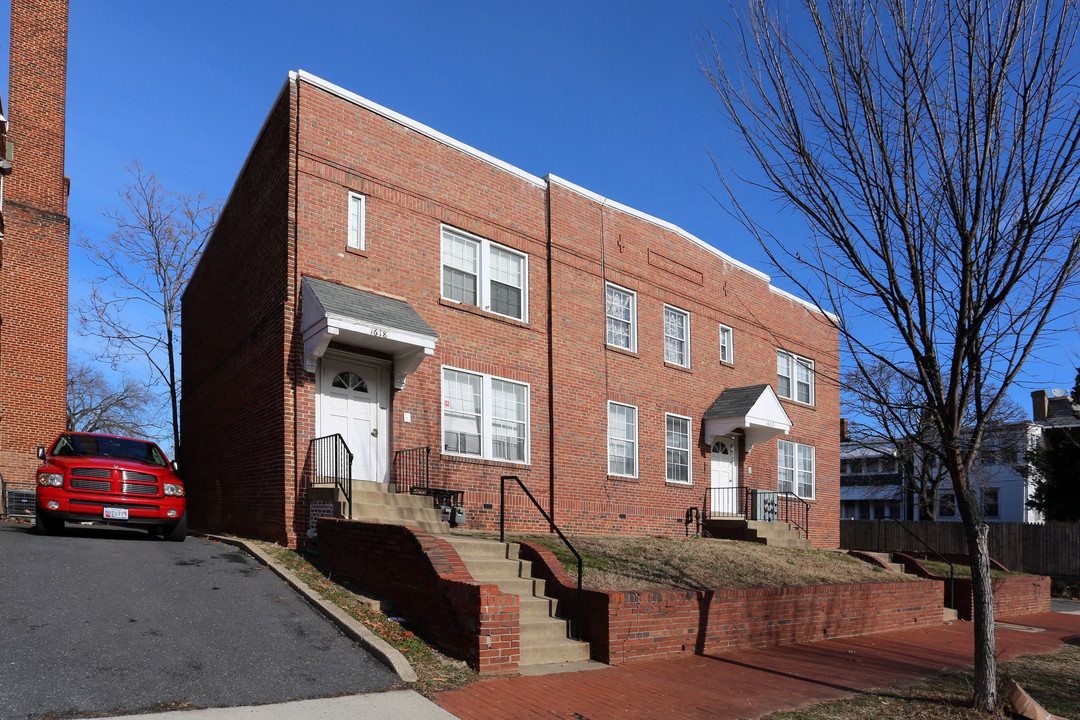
{"x":607,"y":202}
{"x":809,"y":305}
{"x":417,"y":126}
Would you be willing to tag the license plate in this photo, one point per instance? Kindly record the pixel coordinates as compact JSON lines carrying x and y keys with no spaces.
{"x":116,"y":513}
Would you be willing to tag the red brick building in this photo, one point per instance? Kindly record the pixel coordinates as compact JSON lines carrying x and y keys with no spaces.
{"x":34,"y":250}
{"x":372,"y":277}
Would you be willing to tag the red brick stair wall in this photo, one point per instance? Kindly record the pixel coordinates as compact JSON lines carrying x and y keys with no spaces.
{"x":428,"y":584}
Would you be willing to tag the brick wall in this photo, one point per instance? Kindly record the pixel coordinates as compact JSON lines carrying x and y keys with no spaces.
{"x":626,"y":626}
{"x":34,"y":253}
{"x":428,"y":584}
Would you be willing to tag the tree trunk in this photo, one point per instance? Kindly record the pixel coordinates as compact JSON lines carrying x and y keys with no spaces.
{"x":982,"y":605}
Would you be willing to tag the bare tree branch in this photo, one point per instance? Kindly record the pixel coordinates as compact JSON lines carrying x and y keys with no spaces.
{"x":145,"y":263}
{"x":96,"y":405}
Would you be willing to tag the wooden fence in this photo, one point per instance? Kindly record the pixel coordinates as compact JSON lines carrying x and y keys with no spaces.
{"x":1052,"y":549}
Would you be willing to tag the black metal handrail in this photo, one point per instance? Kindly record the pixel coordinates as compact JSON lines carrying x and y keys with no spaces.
{"x":912,"y":533}
{"x":412,"y":470}
{"x":332,"y":465}
{"x":791,"y":500}
{"x":727,"y":502}
{"x":551,"y":523}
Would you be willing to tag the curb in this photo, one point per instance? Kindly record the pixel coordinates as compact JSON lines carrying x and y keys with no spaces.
{"x":386,"y":653}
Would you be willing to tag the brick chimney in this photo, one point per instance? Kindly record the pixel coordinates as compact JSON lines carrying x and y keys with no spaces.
{"x":1039,"y":402}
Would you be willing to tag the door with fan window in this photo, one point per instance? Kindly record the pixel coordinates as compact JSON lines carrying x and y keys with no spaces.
{"x":725,"y":476}
{"x":352,"y":403}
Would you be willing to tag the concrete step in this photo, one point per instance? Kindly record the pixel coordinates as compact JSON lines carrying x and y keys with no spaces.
{"x":949,"y":615}
{"x":554,"y":652}
{"x":398,"y":512}
{"x":543,"y":636}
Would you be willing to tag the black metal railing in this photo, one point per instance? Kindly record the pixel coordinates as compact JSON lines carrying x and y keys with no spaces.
{"x":942,"y":558}
{"x":794,"y":511}
{"x":332,"y":466}
{"x":728,"y":502}
{"x":412,"y":470}
{"x":764,"y":505}
{"x":502,"y":537}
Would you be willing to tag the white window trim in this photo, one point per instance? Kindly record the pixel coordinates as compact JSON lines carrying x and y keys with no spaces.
{"x":637,"y":434}
{"x":730,"y":360}
{"x":483,"y":280}
{"x":633,"y":317}
{"x":792,"y":379}
{"x":685,"y":341}
{"x":689,"y":450}
{"x":795,"y":468}
{"x":486,"y":416}
{"x":357,"y":240}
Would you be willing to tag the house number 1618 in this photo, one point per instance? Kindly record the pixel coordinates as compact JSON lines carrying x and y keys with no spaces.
{"x":378,"y":333}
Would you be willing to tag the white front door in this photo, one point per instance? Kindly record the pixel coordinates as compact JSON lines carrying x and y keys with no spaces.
{"x":725,"y":476}
{"x":352,"y":403}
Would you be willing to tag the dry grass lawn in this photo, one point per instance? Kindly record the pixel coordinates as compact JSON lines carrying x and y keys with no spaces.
{"x":620,"y":562}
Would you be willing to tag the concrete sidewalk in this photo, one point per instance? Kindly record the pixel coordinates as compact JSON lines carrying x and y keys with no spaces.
{"x":752,"y":683}
{"x":372,"y":706}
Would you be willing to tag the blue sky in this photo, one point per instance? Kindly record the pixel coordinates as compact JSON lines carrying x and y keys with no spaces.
{"x":606,"y":94}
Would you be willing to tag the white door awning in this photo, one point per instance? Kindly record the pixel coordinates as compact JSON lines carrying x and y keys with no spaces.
{"x":755,"y":410}
{"x":365,"y":320}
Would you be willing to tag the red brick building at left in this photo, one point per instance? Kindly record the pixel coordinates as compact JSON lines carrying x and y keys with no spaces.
{"x":34,"y":241}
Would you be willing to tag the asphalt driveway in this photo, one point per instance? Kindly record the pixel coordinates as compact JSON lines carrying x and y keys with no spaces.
{"x":109,"y":621}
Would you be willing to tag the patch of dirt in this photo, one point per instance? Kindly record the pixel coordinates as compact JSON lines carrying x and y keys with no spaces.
{"x":627,"y":563}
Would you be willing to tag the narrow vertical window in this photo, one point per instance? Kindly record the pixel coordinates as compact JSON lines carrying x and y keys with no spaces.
{"x":795,"y":469}
{"x":678,"y":449}
{"x":676,"y":336}
{"x":460,"y":268}
{"x":620,"y":307}
{"x":356,"y":221}
{"x":507,"y":282}
{"x":622,"y":440}
{"x":990,"y":505}
{"x":727,"y":345}
{"x":509,"y":409}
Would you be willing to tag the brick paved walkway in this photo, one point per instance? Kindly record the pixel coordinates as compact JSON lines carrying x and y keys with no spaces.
{"x":752,"y":683}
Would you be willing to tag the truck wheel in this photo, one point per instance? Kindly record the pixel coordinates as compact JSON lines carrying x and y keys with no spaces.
{"x":48,"y":526}
{"x":177,"y":532}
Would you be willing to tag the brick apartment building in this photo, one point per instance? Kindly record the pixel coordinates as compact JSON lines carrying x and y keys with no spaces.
{"x":34,"y":246}
{"x":372,"y":277}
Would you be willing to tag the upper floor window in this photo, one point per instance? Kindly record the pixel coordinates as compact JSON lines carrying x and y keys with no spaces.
{"x":794,"y":377}
{"x":795,"y":469}
{"x":678,"y":449}
{"x":622,"y":439}
{"x":676,"y":336}
{"x":485,"y":274}
{"x":990,"y":506}
{"x":947,"y":505}
{"x":621,"y":309}
{"x":485,"y":416}
{"x":356,"y":238}
{"x":727,"y":344}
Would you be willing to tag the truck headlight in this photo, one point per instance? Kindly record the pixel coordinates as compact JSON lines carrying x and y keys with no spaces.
{"x":51,"y":479}
{"x":174,"y":490}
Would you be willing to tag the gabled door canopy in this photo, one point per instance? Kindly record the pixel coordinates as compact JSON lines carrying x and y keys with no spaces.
{"x":754,"y":409}
{"x":365,"y":320}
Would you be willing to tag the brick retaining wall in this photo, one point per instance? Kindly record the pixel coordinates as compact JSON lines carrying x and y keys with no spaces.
{"x":625,"y":626}
{"x":1013,"y":594}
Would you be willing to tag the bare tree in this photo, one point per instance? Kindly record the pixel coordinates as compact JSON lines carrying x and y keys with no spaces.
{"x":94,"y":404}
{"x":932,"y":150}
{"x":134,"y":306}
{"x":889,"y":413}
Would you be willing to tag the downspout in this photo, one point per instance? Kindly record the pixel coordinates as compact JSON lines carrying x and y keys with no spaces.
{"x":551,"y":369}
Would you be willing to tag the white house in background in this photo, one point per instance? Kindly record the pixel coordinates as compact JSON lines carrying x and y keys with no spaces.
{"x":872,"y":488}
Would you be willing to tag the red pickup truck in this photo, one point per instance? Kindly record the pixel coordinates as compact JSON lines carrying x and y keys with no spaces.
{"x":109,"y":479}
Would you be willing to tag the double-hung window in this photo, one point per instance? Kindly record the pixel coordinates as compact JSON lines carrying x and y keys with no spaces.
{"x":622,"y":439}
{"x":727,"y":344}
{"x":795,"y":469}
{"x":794,"y":377}
{"x":990,"y":506}
{"x":485,"y":274}
{"x":485,"y":416}
{"x":678,"y":449}
{"x":621,"y":308}
{"x":356,"y":239}
{"x":676,"y":336}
